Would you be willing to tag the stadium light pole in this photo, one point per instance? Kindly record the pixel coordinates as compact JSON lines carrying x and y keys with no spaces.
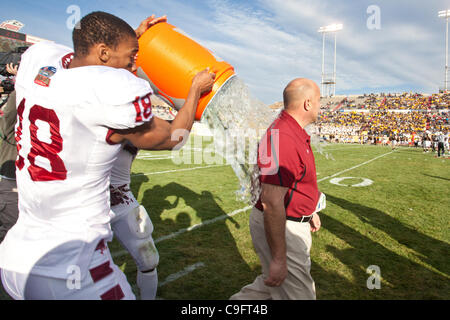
{"x":334,"y":73}
{"x":323,"y":58}
{"x":333,"y":28}
{"x":445,"y":14}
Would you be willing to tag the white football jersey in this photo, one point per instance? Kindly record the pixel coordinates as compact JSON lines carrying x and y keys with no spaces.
{"x":65,"y":118}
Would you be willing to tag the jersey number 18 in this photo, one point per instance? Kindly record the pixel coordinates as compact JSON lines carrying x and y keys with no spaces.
{"x":39,"y":148}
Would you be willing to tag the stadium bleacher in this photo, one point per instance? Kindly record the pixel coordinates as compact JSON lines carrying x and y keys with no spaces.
{"x":405,"y":117}
{"x":379,"y":118}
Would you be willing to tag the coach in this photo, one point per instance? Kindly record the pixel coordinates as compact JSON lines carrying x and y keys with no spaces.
{"x":284,"y":216}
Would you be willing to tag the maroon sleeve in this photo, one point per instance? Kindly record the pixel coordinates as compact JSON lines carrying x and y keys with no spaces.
{"x":108,"y":137}
{"x":278,"y":159}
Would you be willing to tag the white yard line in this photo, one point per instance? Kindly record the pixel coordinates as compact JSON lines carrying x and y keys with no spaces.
{"x":174,"y":276}
{"x":182,"y":273}
{"x":184,"y":230}
{"x":154,"y":158}
{"x":196,"y":226}
{"x":156,"y":153}
{"x":161,"y":157}
{"x":354,"y":167}
{"x":340,"y":149}
{"x":153,"y":155}
{"x":177,"y":170}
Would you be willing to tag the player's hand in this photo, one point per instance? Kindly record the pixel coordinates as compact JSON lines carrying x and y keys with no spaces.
{"x":12,"y":69}
{"x":147,"y":23}
{"x":315,"y":223}
{"x":203,"y":81}
{"x":277,"y":273}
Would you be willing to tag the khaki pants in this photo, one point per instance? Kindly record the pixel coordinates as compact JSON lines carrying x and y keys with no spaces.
{"x":298,"y":284}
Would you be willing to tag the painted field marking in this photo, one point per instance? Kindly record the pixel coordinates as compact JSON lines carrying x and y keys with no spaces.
{"x":156,"y":153}
{"x":174,"y":276}
{"x":182,"y":273}
{"x":354,"y":167}
{"x":181,"y":231}
{"x":177,"y":170}
{"x":153,"y":155}
{"x":148,"y":154}
{"x":340,"y":149}
{"x":193,"y":149}
{"x":161,"y":157}
{"x":193,"y":267}
{"x":198,"y":225}
{"x":365,"y":183}
{"x":150,"y":159}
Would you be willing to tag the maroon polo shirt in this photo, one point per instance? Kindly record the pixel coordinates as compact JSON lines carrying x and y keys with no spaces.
{"x":285,"y":158}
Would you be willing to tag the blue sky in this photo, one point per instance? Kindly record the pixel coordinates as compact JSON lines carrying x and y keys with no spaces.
{"x":270,"y":42}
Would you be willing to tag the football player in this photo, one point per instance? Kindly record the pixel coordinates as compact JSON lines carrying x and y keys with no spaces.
{"x":132,"y":225}
{"x":75,"y":112}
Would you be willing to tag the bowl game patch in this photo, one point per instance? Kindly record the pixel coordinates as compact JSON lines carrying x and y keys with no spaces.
{"x":44,"y":75}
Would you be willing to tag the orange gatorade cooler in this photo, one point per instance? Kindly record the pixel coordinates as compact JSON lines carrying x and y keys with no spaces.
{"x":169,"y":60}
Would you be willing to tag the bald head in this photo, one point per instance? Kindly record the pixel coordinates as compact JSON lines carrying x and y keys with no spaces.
{"x":299,"y":90}
{"x":301,"y":99}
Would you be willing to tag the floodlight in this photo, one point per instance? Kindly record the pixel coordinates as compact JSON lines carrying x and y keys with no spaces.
{"x":444,"y":14}
{"x":332,"y":28}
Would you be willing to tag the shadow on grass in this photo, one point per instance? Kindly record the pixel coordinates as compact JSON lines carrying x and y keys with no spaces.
{"x":402,"y":277}
{"x":437,"y":177}
{"x":137,"y":180}
{"x":225,"y":270}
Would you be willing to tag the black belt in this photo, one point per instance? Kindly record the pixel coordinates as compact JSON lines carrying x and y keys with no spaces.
{"x":302,"y":219}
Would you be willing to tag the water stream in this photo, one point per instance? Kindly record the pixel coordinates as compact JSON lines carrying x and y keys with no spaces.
{"x":238,"y":121}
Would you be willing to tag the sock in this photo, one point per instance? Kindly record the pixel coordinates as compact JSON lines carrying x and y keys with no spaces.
{"x":148,"y":284}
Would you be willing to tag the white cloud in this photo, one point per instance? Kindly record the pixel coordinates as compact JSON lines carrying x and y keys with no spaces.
{"x":270,"y":42}
{"x":402,"y":53}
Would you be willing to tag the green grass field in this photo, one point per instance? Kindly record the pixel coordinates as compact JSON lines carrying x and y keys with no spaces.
{"x":399,"y":223}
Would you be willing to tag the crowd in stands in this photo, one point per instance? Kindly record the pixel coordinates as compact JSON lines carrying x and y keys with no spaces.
{"x":407,"y":119}
{"x":404,"y":101}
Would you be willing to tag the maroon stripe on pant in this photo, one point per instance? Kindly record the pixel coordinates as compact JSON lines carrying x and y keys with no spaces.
{"x":101,"y":271}
{"x":115,"y":293}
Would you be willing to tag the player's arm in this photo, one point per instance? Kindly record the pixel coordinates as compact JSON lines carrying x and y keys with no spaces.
{"x":147,"y":23}
{"x":159,"y":134}
{"x":272,"y":198}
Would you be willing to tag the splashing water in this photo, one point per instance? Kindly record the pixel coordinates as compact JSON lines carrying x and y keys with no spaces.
{"x":313,"y":131}
{"x":238,"y":122}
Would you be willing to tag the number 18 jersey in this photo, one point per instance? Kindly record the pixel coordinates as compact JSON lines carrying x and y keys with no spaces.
{"x":65,"y":118}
